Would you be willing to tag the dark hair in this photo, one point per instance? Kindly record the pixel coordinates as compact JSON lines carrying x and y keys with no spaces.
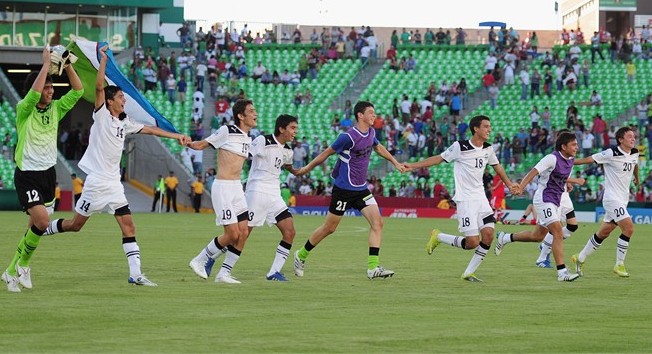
{"x":476,"y":121}
{"x":239,"y":108}
{"x":110,"y":92}
{"x":620,"y":133}
{"x":29,"y":81}
{"x":283,"y":121}
{"x":563,"y":139}
{"x":360,"y":107}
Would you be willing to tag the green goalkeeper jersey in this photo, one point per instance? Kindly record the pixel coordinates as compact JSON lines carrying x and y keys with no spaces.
{"x":37,"y":129}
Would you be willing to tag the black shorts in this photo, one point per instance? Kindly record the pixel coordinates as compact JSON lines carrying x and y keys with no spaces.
{"x":343,"y":199}
{"x":35,"y":187}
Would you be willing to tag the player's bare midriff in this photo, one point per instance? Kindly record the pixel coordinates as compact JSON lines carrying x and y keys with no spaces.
{"x":229,"y":165}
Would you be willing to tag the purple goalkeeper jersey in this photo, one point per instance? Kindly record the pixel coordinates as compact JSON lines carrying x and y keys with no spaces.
{"x":354,"y":150}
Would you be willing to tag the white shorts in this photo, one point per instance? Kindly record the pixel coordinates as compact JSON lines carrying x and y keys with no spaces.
{"x":100,"y":195}
{"x":228,"y":201}
{"x":473,"y":216}
{"x":264,"y":207}
{"x":565,"y":206}
{"x":547,"y":213}
{"x":614,"y":211}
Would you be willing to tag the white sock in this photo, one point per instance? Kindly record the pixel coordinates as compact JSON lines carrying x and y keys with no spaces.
{"x":232,"y":256}
{"x":455,"y":241}
{"x":133,"y":255}
{"x":507,"y":238}
{"x":211,"y":250}
{"x":621,"y":249}
{"x":546,"y":247}
{"x":591,"y":246}
{"x":562,"y":271}
{"x":53,"y":227}
{"x":282,"y":253}
{"x":478,"y":256}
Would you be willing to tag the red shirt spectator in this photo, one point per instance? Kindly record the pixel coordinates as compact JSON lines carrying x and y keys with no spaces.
{"x":488,"y":80}
{"x":391,"y":53}
{"x":221,"y":106}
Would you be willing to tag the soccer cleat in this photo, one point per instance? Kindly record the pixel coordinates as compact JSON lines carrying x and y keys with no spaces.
{"x":544,"y":264}
{"x":522,"y":222}
{"x":226,"y":278}
{"x":379,"y":272}
{"x":198,"y":267}
{"x":499,"y":243}
{"x":620,"y":270}
{"x":141,"y":280}
{"x":278,"y":276}
{"x":578,"y":265}
{"x":12,"y":282}
{"x":299,"y":265}
{"x":471,"y":278}
{"x":24,"y":276}
{"x":433,"y":242}
{"x":566,"y":276}
{"x":208,"y":266}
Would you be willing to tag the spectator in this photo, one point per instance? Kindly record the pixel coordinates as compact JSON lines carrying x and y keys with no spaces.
{"x":595,"y":99}
{"x":493,"y":95}
{"x":305,"y":188}
{"x":171,"y":86}
{"x":524,"y":77}
{"x":171,"y":183}
{"x":630,"y":68}
{"x":588,"y":141}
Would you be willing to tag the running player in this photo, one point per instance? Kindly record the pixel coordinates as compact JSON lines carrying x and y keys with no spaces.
{"x":620,"y":164}
{"x":103,"y":190}
{"x":229,"y":203}
{"x":553,"y":170}
{"x":37,"y":122}
{"x":350,"y":188}
{"x":474,"y":214}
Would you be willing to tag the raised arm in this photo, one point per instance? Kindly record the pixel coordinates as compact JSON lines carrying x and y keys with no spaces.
{"x":39,"y":83}
{"x":99,"y":81}
{"x":183,"y":139}
{"x":75,"y":82}
{"x":382,"y":151}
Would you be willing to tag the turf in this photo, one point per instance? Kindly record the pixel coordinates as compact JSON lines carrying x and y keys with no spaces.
{"x":81,"y":301}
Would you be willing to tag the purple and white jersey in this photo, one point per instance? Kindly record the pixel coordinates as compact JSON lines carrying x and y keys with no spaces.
{"x":554,"y":170}
{"x":354,"y":150}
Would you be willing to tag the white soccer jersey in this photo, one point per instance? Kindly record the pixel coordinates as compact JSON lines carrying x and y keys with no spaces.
{"x":470,"y":162}
{"x":268,"y":158}
{"x":232,"y":139}
{"x":618,"y":172}
{"x":105,"y":144}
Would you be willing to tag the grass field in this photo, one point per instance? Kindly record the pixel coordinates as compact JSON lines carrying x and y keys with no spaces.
{"x":81,"y":301}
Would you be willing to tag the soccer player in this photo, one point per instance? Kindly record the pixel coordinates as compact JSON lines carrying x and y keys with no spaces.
{"x":37,"y":122}
{"x":474,"y":214}
{"x":620,"y":164}
{"x":232,"y":143}
{"x":103,"y":190}
{"x":553,"y":171}
{"x":567,"y":210}
{"x":350,"y":190}
{"x":270,"y":153}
